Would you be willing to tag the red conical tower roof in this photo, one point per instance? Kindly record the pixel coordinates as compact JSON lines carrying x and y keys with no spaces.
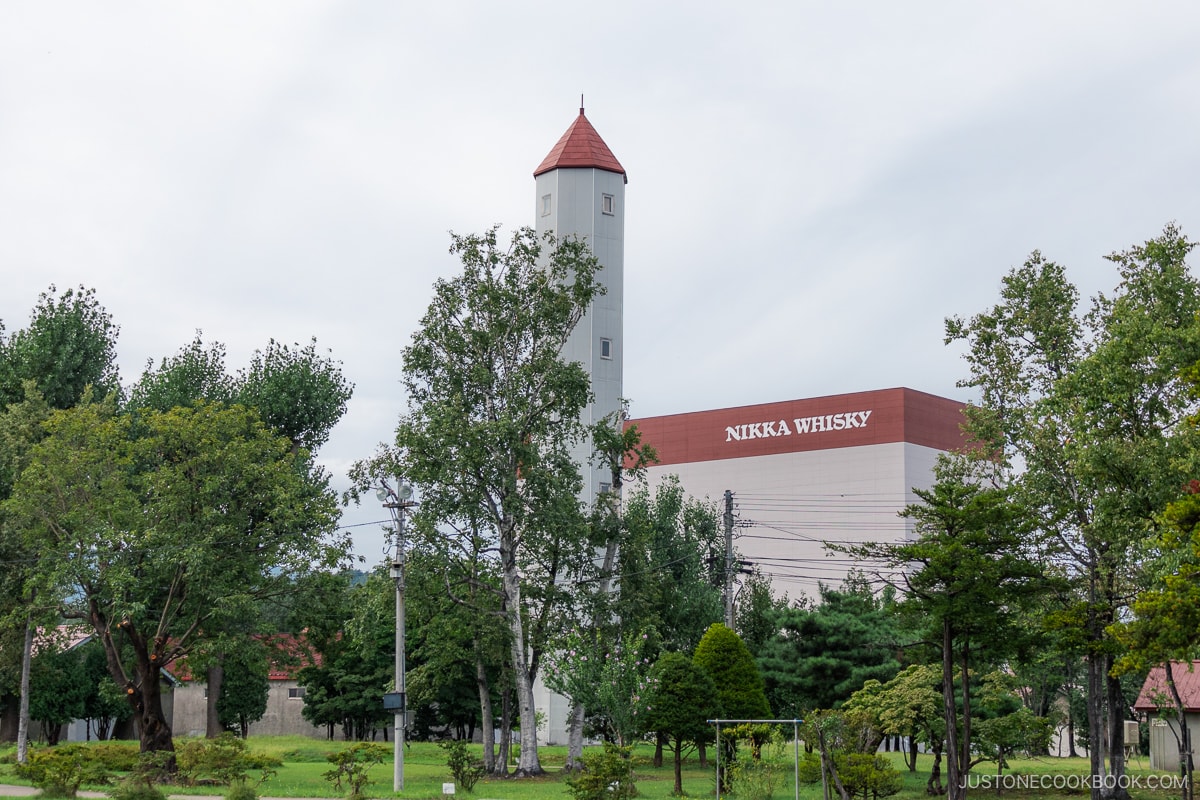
{"x":581,"y":147}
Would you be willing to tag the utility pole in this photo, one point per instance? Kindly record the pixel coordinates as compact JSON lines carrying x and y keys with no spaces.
{"x":729,"y":559}
{"x":396,"y":502}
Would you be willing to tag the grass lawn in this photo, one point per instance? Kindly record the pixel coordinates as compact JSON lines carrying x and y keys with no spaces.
{"x":425,"y":772}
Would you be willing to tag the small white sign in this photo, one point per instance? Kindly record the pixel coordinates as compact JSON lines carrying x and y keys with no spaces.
{"x":447,"y":788}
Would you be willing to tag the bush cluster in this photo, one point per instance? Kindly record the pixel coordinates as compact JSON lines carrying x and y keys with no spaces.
{"x":466,"y":770}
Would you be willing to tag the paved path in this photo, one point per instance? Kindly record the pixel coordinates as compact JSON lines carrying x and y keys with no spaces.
{"x":7,"y":790}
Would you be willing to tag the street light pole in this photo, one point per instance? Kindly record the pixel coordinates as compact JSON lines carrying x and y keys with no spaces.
{"x":395,"y":502}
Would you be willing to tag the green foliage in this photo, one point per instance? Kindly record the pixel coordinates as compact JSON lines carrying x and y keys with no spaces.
{"x":727,"y":660}
{"x":70,"y":345}
{"x":868,"y":775}
{"x":756,"y":618}
{"x":821,"y":654}
{"x":908,"y":705}
{"x":131,"y":789}
{"x":224,"y":761}
{"x":609,"y":678}
{"x":358,"y":667}
{"x":244,"y":688}
{"x":669,"y":585}
{"x":115,"y":756}
{"x":297,"y":391}
{"x":212,"y":510}
{"x":60,"y":771}
{"x":241,"y":790}
{"x":607,"y":775}
{"x":493,"y":412}
{"x":466,"y":769}
{"x":142,"y":783}
{"x":58,"y":689}
{"x":757,"y":778}
{"x":847,"y":750}
{"x":350,"y":768}
{"x":194,"y":373}
{"x":682,"y":698}
{"x":1089,"y":405}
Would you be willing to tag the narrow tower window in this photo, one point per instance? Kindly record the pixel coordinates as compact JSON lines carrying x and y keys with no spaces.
{"x":606,"y":348}
{"x":606,"y":204}
{"x":545,"y":205}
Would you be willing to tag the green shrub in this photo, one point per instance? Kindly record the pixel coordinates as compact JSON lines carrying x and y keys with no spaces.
{"x":351,"y":766}
{"x":60,"y":771}
{"x":115,"y":756}
{"x":466,"y":770}
{"x":607,"y":775}
{"x":221,"y":761}
{"x":863,"y":774}
{"x":241,"y":790}
{"x":754,"y":779}
{"x":132,"y":788}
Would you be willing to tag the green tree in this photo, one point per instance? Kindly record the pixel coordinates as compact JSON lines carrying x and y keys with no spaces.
{"x":105,"y":704}
{"x":682,"y":699}
{"x":58,"y":690}
{"x":194,"y":373}
{"x":162,"y":527}
{"x":347,"y":688}
{"x":296,"y":390}
{"x":67,"y":350}
{"x":740,"y":692}
{"x":909,"y":705}
{"x":964,"y":580}
{"x":244,"y":688}
{"x":492,"y":414}
{"x":1087,"y":405}
{"x":823,"y":653}
{"x":756,"y":618}
{"x":1166,"y":615}
{"x":669,"y":583}
{"x":727,"y":660}
{"x":70,"y":345}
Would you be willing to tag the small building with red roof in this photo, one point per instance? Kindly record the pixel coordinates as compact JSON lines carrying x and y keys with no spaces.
{"x":1156,"y":702}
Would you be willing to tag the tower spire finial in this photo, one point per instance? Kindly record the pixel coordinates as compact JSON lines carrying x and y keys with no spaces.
{"x":581,"y":104}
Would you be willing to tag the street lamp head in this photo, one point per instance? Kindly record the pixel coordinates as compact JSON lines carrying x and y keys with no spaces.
{"x":405,"y":492}
{"x":382,"y":493}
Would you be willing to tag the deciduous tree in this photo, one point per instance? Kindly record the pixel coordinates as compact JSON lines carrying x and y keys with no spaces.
{"x":492,"y":414}
{"x":1087,"y":405}
{"x":163,"y":526}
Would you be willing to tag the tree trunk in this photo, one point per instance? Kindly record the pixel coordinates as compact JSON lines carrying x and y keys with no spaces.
{"x":527,"y":761}
{"x":678,"y":764}
{"x":659,"y":738}
{"x":212,"y":723}
{"x":575,"y":739}
{"x":933,"y":786}
{"x":957,"y":783}
{"x":505,"y":733}
{"x":23,"y":711}
{"x":1116,"y":737}
{"x":913,"y":749}
{"x":485,"y":712}
{"x":1096,"y":721}
{"x":1185,"y":734}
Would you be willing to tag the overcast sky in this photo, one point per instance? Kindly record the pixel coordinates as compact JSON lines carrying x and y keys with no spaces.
{"x":813,"y":187}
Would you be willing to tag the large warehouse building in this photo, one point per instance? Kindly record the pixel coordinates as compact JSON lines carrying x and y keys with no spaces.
{"x":805,"y":472}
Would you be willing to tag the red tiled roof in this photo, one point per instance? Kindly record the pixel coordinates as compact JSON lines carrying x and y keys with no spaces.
{"x":1156,"y":695}
{"x":288,"y":655}
{"x":581,"y":147}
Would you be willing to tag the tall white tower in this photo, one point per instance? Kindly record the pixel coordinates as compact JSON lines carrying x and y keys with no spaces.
{"x":581,"y":192}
